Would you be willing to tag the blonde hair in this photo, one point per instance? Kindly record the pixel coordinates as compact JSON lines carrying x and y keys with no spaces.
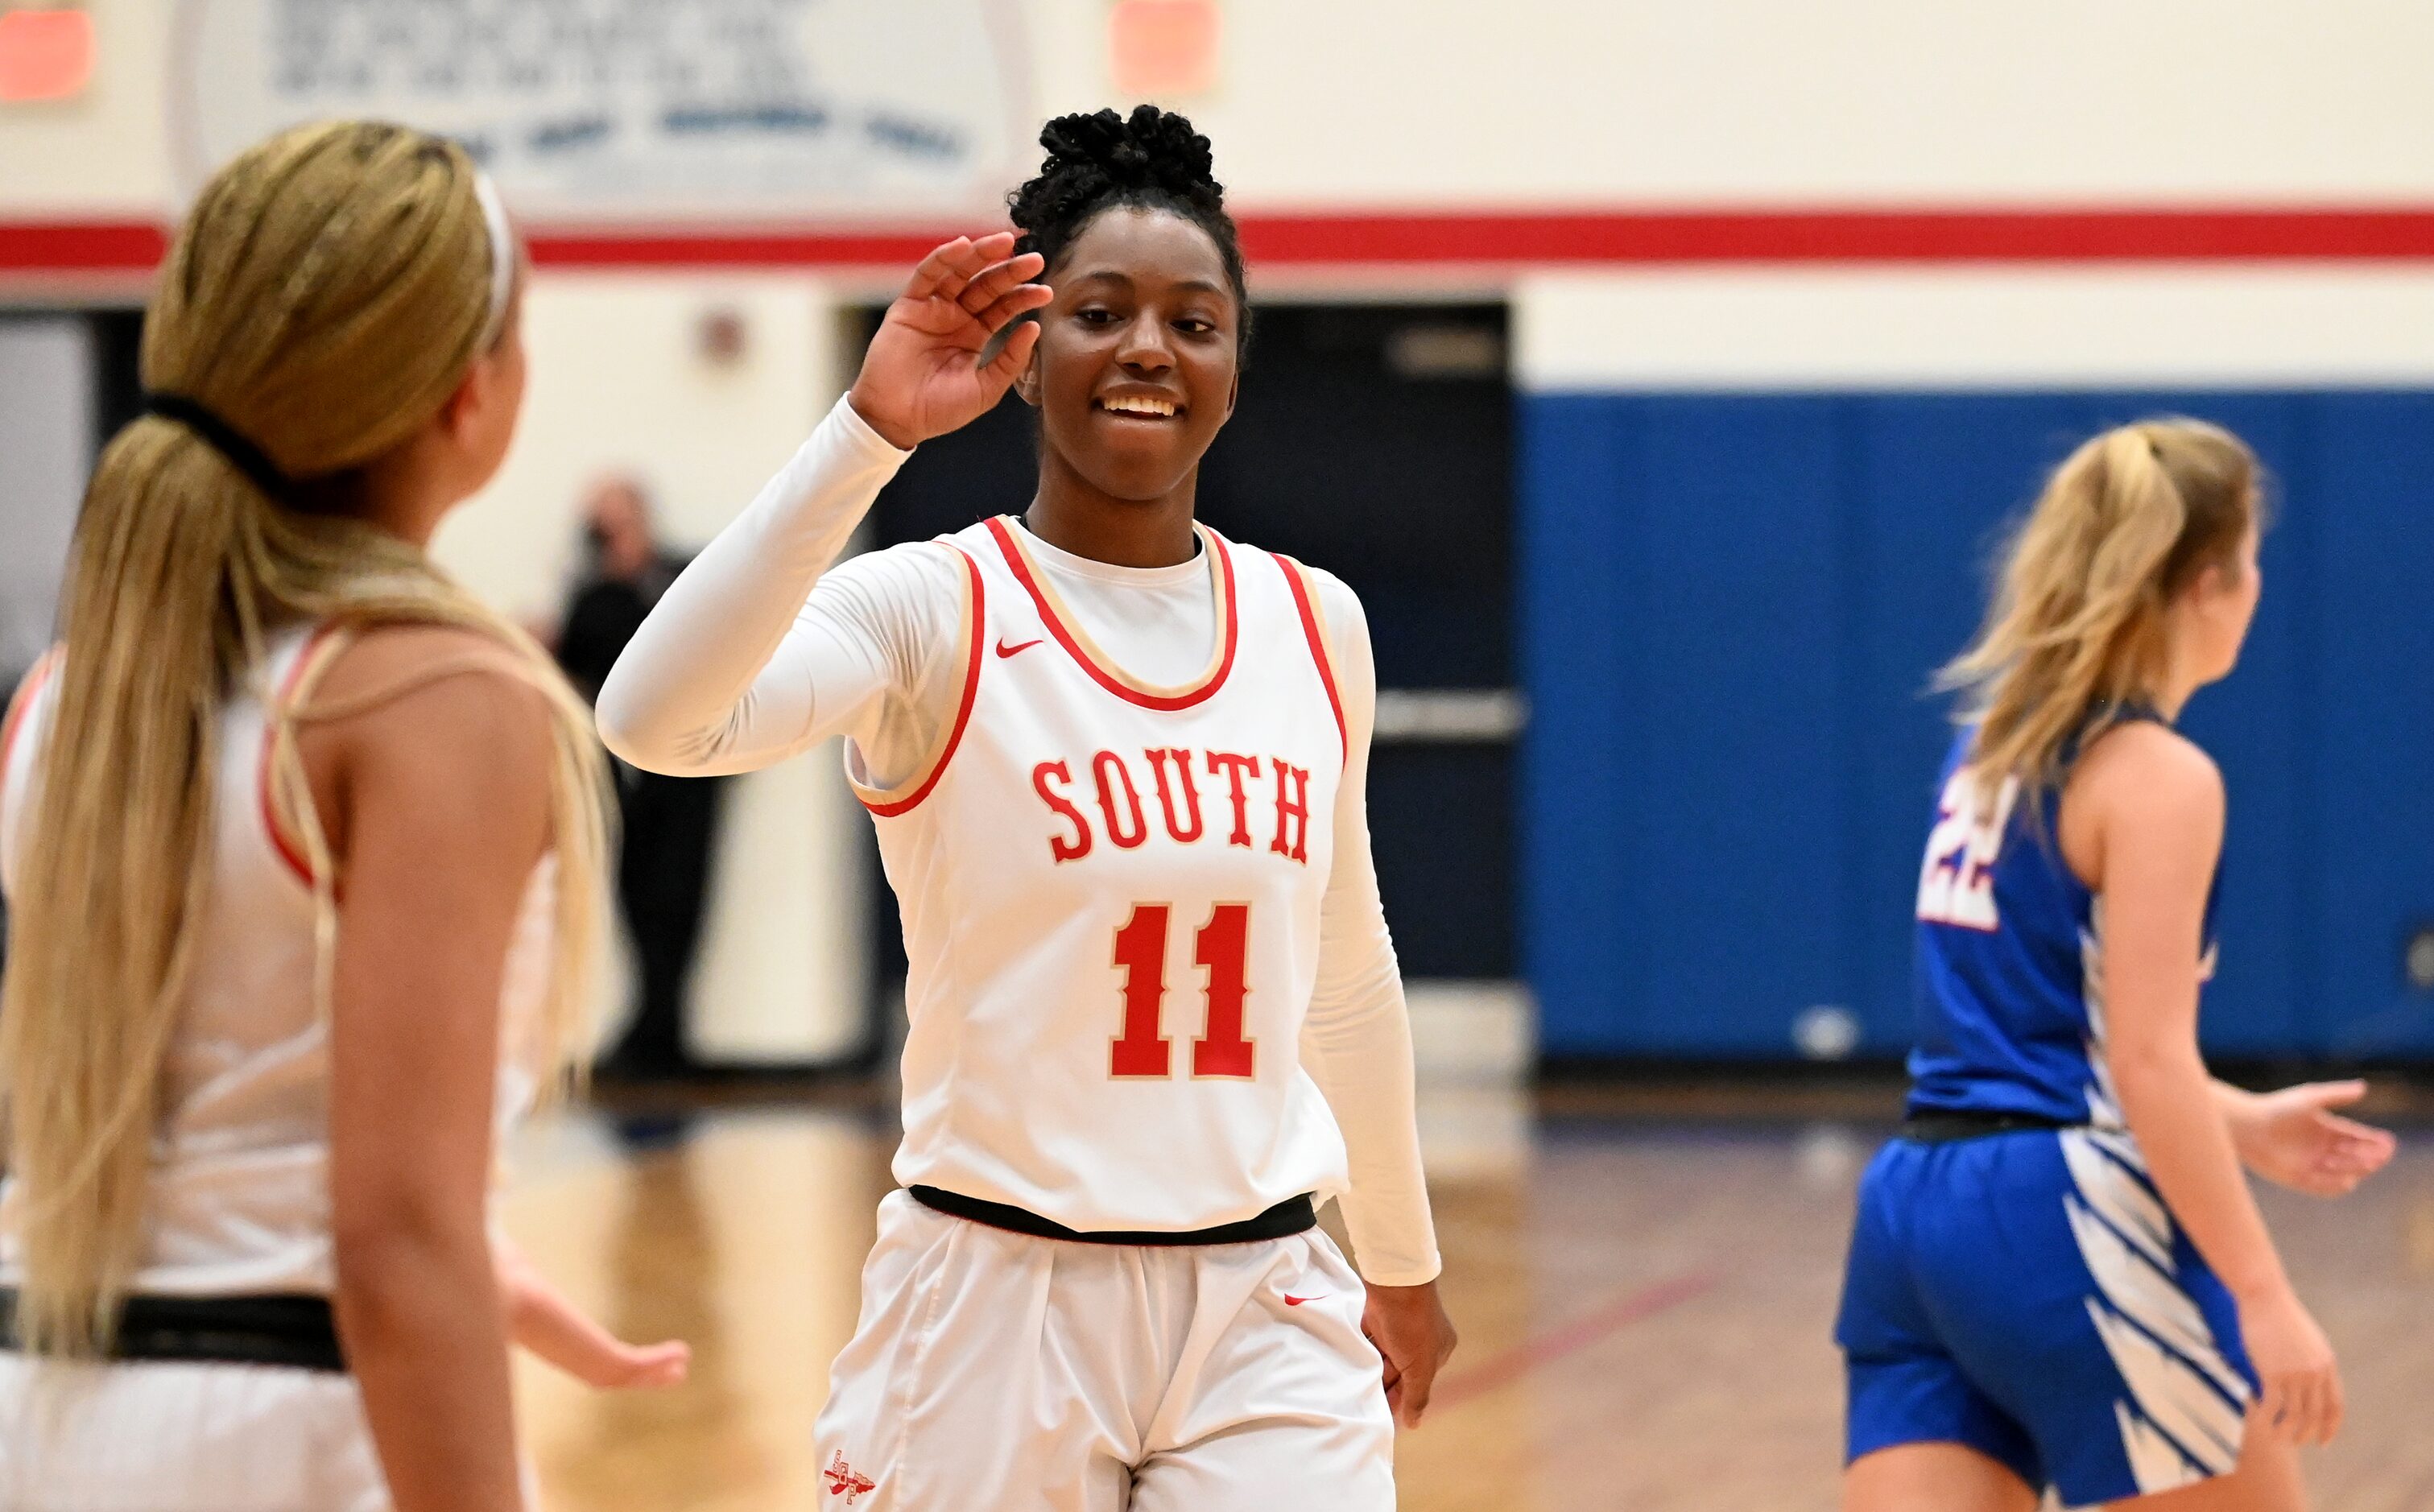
{"x":2076,"y":635}
{"x":328,"y":292}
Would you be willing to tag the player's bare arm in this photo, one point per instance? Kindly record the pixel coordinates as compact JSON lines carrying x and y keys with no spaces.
{"x":439,"y":811}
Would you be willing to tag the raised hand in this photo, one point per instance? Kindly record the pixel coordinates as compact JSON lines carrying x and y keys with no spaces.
{"x":921,"y":377}
{"x":2293,"y":1138}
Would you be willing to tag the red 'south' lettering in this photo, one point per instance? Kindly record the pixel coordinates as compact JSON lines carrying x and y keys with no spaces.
{"x":1237,"y":770}
{"x":1126,"y":831}
{"x":1292,"y":813}
{"x":1063,"y":849}
{"x":1182,"y":758}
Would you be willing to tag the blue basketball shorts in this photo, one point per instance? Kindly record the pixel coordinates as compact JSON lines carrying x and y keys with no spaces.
{"x":2026,"y":1294}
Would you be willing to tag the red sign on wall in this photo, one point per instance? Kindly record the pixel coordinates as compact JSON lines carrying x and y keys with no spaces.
{"x":45,"y":53}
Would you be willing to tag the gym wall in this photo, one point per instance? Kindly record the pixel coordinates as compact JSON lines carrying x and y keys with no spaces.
{"x":1803,"y":297}
{"x":1758,"y":511}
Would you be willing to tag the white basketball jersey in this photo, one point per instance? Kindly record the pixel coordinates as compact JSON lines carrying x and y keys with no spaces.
{"x":239,"y":1199}
{"x":1111,"y":895}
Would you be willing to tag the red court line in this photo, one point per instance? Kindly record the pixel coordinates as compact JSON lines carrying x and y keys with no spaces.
{"x":1461,"y":238}
{"x":1632,"y":1307}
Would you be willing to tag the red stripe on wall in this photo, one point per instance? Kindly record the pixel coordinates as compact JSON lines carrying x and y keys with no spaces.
{"x":681,"y":248}
{"x":1837,"y":237}
{"x":1421,"y":239}
{"x":27,"y":246}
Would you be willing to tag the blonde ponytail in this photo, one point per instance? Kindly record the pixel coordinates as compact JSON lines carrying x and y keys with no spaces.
{"x":328,"y":292}
{"x":2077,"y":632}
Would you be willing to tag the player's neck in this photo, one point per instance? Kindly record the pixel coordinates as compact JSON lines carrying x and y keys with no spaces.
{"x":2180,"y":681}
{"x":402,"y":494}
{"x":1073,"y":515}
{"x":2173,"y":697}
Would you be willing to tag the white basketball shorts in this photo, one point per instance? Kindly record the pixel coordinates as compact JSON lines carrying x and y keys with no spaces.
{"x":998,"y":1372}
{"x":171,"y":1437}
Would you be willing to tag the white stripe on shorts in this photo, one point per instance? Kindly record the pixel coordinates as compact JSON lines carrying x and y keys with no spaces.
{"x":2184,"y":1419}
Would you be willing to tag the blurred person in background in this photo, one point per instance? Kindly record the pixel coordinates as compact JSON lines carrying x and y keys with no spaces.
{"x":669,"y":825}
{"x":2058,"y":1277}
{"x":304,"y":848}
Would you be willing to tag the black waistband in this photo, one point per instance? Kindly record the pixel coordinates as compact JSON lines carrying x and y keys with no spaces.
{"x":1294,"y":1215}
{"x":299,"y":1331}
{"x":1941,"y":1126}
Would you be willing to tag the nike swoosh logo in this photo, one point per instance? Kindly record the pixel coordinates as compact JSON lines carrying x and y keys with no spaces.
{"x":1291,"y":1300}
{"x":1004,"y":649}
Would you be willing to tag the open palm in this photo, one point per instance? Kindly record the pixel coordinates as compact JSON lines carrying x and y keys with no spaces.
{"x":921,"y":377}
{"x":2294,"y":1138}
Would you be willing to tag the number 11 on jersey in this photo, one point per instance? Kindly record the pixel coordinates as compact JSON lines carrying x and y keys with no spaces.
{"x":1222,"y":950}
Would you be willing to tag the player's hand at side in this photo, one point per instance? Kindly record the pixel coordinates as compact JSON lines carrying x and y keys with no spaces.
{"x":919,"y":377}
{"x":1409,"y":1328}
{"x":2302,"y":1398}
{"x":2293,"y":1138}
{"x":637,"y":1367}
{"x":542,"y":1319}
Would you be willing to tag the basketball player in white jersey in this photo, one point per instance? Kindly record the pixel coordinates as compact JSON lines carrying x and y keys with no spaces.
{"x":301,"y":848}
{"x":1118,"y":765}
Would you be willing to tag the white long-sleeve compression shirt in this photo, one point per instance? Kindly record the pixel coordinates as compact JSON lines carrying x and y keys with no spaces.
{"x":766,"y":646}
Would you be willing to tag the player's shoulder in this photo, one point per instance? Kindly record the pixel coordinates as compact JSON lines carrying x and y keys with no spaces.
{"x":904,"y":589}
{"x":36,"y":678}
{"x":1338,"y":605}
{"x":2150,"y":751}
{"x":2149,"y":768}
{"x":1341,"y":618}
{"x":454,"y":687}
{"x":38,"y":683}
{"x":403,"y":649}
{"x":935,"y":563}
{"x":1328,"y":586}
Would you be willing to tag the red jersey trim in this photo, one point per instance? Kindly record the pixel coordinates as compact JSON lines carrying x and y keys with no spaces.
{"x":975,"y":632}
{"x":290,"y":849}
{"x":23,"y":709}
{"x":1297,"y":577}
{"x":1077,"y":642}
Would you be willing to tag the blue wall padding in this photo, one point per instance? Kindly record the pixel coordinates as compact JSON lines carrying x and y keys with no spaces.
{"x":1732,"y":605}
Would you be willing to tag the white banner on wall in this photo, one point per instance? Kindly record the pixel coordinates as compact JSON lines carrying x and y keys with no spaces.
{"x":636,"y":111}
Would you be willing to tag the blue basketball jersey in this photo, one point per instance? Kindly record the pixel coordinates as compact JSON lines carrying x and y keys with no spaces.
{"x":2007,"y":984}
{"x":2027,"y":1293}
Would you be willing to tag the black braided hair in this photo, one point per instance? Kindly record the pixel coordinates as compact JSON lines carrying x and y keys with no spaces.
{"x":1100,"y":162}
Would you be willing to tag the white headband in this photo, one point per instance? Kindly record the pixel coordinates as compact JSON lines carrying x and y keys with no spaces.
{"x":503,"y":255}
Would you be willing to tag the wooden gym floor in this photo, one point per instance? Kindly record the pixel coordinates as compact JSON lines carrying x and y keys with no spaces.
{"x":1644,"y":1283}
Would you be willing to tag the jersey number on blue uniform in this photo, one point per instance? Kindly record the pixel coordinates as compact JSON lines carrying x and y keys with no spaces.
{"x":1956,"y":886}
